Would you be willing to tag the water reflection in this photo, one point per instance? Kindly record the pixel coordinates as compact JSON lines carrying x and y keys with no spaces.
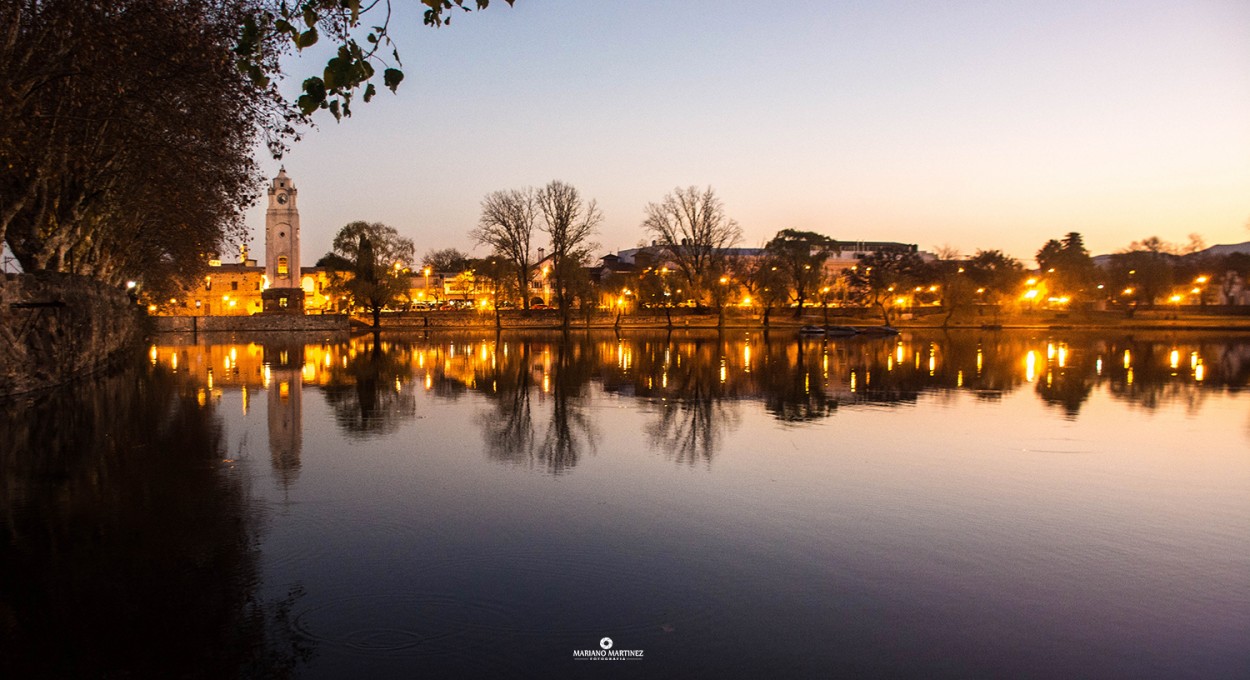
{"x":365,"y":386}
{"x":123,"y":502}
{"x":128,"y":541}
{"x":517,"y":373}
{"x":538,"y":386}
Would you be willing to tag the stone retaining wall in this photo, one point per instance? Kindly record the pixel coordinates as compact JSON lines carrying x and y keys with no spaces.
{"x":331,"y":323}
{"x":56,"y":327}
{"x":549,"y":318}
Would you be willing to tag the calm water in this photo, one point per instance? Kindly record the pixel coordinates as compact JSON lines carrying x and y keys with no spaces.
{"x":964,"y":505}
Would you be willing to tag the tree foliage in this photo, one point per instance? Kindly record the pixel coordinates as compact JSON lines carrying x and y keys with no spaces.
{"x":127,"y":128}
{"x":877,"y":277}
{"x":360,"y":29}
{"x":763,"y":280}
{"x":445,"y":260}
{"x":800,"y":257}
{"x":378,"y":258}
{"x":127,"y":135}
{"x":1147,"y":269}
{"x":693,"y":229}
{"x":996,"y":274}
{"x":1067,"y":265}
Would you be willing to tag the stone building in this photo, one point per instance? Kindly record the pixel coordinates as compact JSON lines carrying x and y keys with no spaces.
{"x":243,"y":288}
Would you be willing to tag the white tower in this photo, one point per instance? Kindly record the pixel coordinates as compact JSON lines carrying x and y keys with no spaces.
{"x":282,"y":234}
{"x":282,"y":248}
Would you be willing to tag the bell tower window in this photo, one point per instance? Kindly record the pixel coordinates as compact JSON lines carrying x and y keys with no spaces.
{"x":282,"y":266}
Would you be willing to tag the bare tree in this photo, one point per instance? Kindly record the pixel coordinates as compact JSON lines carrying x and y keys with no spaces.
{"x":569,"y":222}
{"x":445,"y":260}
{"x":692,"y":227}
{"x":507,"y":225}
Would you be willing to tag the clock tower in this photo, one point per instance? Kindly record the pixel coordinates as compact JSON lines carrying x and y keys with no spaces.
{"x":284,"y":293}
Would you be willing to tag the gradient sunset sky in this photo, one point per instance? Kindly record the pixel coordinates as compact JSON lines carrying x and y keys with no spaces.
{"x":970,"y":124}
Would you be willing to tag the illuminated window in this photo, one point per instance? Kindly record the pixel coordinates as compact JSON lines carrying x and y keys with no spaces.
{"x":282,"y":302}
{"x":282,"y":267}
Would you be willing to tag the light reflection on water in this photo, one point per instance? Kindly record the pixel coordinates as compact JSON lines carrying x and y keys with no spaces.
{"x":932,"y":504}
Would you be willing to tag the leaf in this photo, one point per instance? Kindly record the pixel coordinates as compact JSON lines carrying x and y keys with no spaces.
{"x":370,"y":90}
{"x":307,"y":104}
{"x":310,"y":16}
{"x":391,"y":78}
{"x":314,"y":96}
{"x":249,"y":38}
{"x":337,"y":73}
{"x":306,"y":39}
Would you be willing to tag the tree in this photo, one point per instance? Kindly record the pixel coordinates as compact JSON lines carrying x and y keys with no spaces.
{"x":127,"y":135}
{"x":507,"y":225}
{"x":879,"y":274}
{"x":569,"y":223}
{"x":1146,"y":267}
{"x":692,"y":228}
{"x":445,"y":260}
{"x":996,"y":275}
{"x":128,"y":127}
{"x":496,"y":272}
{"x":800,"y":256}
{"x":955,"y":289}
{"x":379,"y":259}
{"x":654,"y":287}
{"x":763,"y":280}
{"x":1067,"y":265}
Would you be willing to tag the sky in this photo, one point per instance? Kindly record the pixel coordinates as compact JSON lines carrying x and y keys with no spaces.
{"x":972,"y":125}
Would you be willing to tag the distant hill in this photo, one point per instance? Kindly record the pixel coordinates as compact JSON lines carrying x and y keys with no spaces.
{"x":1214,"y":251}
{"x":1227,"y":249}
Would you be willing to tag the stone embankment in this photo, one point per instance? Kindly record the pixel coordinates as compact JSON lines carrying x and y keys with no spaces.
{"x":57,"y":327}
{"x":549,"y":319}
{"x":258,"y":323}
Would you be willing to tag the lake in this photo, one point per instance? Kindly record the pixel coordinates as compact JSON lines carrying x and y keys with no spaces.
{"x":972,"y":504}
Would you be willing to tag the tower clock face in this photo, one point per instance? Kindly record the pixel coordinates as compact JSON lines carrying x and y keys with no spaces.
{"x":282,"y":199}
